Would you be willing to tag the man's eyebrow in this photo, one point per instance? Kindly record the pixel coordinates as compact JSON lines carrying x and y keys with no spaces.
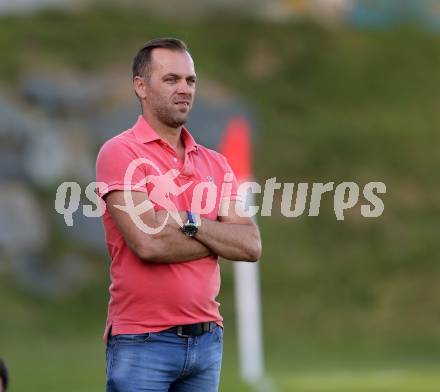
{"x":173,"y":75}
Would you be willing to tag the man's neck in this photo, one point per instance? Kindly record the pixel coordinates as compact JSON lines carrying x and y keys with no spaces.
{"x":171,"y":135}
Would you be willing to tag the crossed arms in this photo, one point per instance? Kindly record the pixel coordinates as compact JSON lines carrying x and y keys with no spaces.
{"x":232,"y":237}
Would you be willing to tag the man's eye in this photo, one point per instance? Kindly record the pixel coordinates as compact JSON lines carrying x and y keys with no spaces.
{"x":170,"y":80}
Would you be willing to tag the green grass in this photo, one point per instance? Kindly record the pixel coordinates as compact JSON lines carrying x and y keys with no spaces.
{"x":363,"y":381}
{"x":40,"y":363}
{"x":347,"y":306}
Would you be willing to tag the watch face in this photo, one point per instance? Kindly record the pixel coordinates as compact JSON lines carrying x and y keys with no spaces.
{"x":190,"y":229}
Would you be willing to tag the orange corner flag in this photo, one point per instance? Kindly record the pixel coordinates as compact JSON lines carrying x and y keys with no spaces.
{"x":236,"y":146}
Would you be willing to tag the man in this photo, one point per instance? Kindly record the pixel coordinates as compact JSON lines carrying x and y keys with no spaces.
{"x":4,"y":377}
{"x":164,"y":331}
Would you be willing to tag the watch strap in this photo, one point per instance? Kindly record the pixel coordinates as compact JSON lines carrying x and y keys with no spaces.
{"x":191,"y":217}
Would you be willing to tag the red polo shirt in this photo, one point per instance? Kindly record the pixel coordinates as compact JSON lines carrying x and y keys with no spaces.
{"x":149,"y":297}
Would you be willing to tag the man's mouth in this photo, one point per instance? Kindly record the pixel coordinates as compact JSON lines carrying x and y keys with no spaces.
{"x":182,"y":105}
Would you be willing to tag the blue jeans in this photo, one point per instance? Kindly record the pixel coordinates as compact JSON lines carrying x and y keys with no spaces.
{"x":164,"y":362}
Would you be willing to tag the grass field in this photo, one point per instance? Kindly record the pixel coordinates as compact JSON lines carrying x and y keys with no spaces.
{"x":48,"y":342}
{"x":348,"y":305}
{"x":42,"y":363}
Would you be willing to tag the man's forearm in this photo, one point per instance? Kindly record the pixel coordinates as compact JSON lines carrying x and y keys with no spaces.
{"x":170,"y":245}
{"x":232,"y":241}
{"x":176,"y":247}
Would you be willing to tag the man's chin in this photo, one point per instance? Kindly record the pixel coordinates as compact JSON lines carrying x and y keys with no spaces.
{"x":173,"y":118}
{"x":176,"y":123}
{"x":181,"y":118}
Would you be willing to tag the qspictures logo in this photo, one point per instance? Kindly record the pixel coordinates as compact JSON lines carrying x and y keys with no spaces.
{"x":205,"y":195}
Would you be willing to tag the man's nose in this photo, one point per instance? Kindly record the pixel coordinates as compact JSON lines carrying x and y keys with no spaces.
{"x":185,"y":88}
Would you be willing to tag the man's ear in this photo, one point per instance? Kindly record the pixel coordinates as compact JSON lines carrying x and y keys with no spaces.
{"x":140,"y":87}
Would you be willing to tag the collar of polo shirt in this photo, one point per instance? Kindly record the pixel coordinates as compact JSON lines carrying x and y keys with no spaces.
{"x":145,"y":134}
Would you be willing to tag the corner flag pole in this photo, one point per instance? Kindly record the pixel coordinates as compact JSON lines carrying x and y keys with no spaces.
{"x":236,"y":147}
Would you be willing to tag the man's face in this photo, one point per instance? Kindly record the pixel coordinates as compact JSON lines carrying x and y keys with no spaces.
{"x":171,"y":87}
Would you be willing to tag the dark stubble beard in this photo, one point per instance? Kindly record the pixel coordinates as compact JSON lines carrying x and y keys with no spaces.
{"x":165,"y":114}
{"x":167,"y":118}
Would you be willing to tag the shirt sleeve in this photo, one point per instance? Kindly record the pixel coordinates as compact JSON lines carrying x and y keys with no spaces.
{"x":119,"y":168}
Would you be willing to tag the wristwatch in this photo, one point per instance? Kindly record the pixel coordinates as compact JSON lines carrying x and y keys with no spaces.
{"x":190,"y":228}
